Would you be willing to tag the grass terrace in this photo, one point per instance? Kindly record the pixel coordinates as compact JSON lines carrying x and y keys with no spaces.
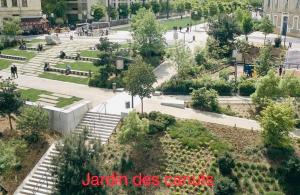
{"x":5,"y":63}
{"x":65,"y":78}
{"x":22,"y":53}
{"x":79,"y":65}
{"x":89,"y":53}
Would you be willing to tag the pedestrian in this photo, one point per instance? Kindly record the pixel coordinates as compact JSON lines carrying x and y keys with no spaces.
{"x":280,"y":70}
{"x":290,"y":44}
{"x":180,"y":28}
{"x":15,"y":71}
{"x":12,"y":72}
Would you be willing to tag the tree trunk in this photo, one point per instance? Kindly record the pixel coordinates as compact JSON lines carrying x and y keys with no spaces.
{"x":142,"y":105}
{"x":246,"y":37}
{"x":132,"y":101}
{"x":9,"y":119}
{"x":265,"y":39}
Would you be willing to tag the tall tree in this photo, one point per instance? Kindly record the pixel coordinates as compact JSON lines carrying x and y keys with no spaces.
{"x":123,"y":10}
{"x":155,"y":6}
{"x":75,"y":160}
{"x":10,"y":100}
{"x":139,"y":80}
{"x":147,"y":35}
{"x":247,"y":24}
{"x":264,"y":61}
{"x":277,"y":121}
{"x":179,"y":5}
{"x":266,"y":27}
{"x":112,"y":12}
{"x":134,"y":7}
{"x":98,"y":11}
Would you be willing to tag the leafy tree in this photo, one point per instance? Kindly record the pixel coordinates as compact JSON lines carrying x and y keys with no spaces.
{"x":247,"y":25}
{"x":75,"y":160}
{"x":112,"y":12}
{"x":57,"y":7}
{"x":226,"y":164}
{"x":139,"y":79}
{"x":290,"y":174}
{"x":264,"y":61}
{"x":256,"y":4}
{"x":225,"y":186}
{"x":10,"y":100}
{"x":179,"y":5}
{"x":12,"y":27}
{"x":267,"y":89}
{"x":243,"y":47}
{"x":155,"y":6}
{"x":98,"y":11}
{"x":206,"y":100}
{"x":266,"y":27}
{"x":212,"y":9}
{"x":290,"y":85}
{"x":33,"y":120}
{"x":147,"y":35}
{"x":196,"y":13}
{"x":277,"y":121}
{"x":123,"y":10}
{"x":134,"y":129}
{"x":181,"y":56}
{"x":134,"y":7}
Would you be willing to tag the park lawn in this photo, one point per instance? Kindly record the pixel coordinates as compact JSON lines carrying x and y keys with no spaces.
{"x":5,"y":63}
{"x":89,"y":53}
{"x":62,"y":102}
{"x":82,"y":66}
{"x":32,"y":94}
{"x":170,"y":23}
{"x":14,"y":52}
{"x":65,"y":78}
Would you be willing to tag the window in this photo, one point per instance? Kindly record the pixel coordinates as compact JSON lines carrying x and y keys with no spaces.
{"x":24,"y":3}
{"x":295,"y":22}
{"x":14,"y":3}
{"x":276,"y":4}
{"x":269,"y":3}
{"x":3,"y":3}
{"x":275,"y":20}
{"x":298,"y":4}
{"x":286,"y":4}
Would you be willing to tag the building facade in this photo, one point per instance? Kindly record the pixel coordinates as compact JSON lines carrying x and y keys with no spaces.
{"x":284,"y":14}
{"x":20,"y":8}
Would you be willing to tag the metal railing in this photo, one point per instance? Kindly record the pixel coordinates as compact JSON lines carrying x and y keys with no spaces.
{"x":99,"y":111}
{"x":291,"y":65}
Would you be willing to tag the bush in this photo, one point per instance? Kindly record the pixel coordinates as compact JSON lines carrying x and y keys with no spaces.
{"x":223,"y":87}
{"x":200,"y":57}
{"x":206,"y":100}
{"x":225,"y":186}
{"x":224,"y":74}
{"x":226,"y":164}
{"x":246,"y":87}
{"x":290,"y":172}
{"x":158,"y":122}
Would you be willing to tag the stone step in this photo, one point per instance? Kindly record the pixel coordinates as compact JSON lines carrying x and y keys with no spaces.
{"x":61,"y":95}
{"x":40,"y":185}
{"x":40,"y":190}
{"x":51,"y":183}
{"x":48,"y":96}
{"x":97,"y":113}
{"x":99,"y":123}
{"x":44,"y":103}
{"x":51,"y":101}
{"x":97,"y":133}
{"x":29,"y":192}
{"x":97,"y":128}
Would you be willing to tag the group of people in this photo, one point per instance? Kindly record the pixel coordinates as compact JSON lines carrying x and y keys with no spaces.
{"x":14,"y":71}
{"x":188,"y":28}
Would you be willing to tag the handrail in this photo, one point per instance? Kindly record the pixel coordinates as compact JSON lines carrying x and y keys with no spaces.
{"x":99,"y":111}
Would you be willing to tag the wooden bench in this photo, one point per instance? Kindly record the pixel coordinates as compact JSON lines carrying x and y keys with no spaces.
{"x":63,"y":71}
{"x":11,"y":57}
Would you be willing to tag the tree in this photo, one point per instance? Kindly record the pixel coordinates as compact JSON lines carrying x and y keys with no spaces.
{"x":290,"y":85}
{"x":225,"y":186}
{"x":148,"y":36}
{"x":112,"y":12}
{"x":155,"y":6}
{"x":181,"y":56}
{"x":98,"y":11}
{"x":206,"y":100}
{"x":267,"y":89}
{"x":212,"y":9}
{"x":264,"y":62}
{"x":196,"y":13}
{"x":226,"y":164}
{"x":134,"y":129}
{"x":290,"y":174}
{"x":123,"y":10}
{"x":76,"y":158}
{"x":33,"y":120}
{"x":139,"y":80}
{"x":10,"y":100}
{"x":277,"y":121}
{"x":266,"y":27}
{"x":256,"y":4}
{"x":247,"y":24}
{"x":179,"y":5}
{"x":243,"y":47}
{"x":57,"y":7}
{"x":12,"y":27}
{"x":134,"y":7}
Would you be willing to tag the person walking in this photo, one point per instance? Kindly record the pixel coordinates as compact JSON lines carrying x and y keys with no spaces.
{"x":16,"y":71}
{"x":12,"y":72}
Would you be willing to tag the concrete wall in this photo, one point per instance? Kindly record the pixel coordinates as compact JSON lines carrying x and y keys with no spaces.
{"x":66,"y":120}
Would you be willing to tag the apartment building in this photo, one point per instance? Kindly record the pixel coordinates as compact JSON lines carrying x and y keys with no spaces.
{"x":285,"y":15}
{"x":20,"y":8}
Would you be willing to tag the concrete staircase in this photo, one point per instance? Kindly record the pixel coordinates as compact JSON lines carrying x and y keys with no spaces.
{"x":40,"y":180}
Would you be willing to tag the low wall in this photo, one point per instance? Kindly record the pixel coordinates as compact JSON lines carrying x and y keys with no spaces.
{"x":65,"y":120}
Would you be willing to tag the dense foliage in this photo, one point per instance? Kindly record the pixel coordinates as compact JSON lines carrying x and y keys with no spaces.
{"x":206,"y":100}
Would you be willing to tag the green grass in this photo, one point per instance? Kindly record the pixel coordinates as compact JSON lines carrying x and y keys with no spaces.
{"x":82,"y":66}
{"x":14,"y":52}
{"x":32,"y":94}
{"x":90,"y":54}
{"x":5,"y":63}
{"x":65,"y":78}
{"x":169,"y":24}
{"x":62,"y":102}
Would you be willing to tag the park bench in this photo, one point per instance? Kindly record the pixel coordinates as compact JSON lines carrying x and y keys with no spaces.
{"x":63,"y":71}
{"x":81,"y":58}
{"x":11,"y":57}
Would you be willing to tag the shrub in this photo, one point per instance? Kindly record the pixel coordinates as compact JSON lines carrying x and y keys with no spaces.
{"x":246,"y":87}
{"x":225,"y":186}
{"x":226,"y":164}
{"x":206,"y":100}
{"x":158,"y":122}
{"x":290,"y":172}
{"x":223,"y":87}
{"x":200,"y":57}
{"x":224,"y":74}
